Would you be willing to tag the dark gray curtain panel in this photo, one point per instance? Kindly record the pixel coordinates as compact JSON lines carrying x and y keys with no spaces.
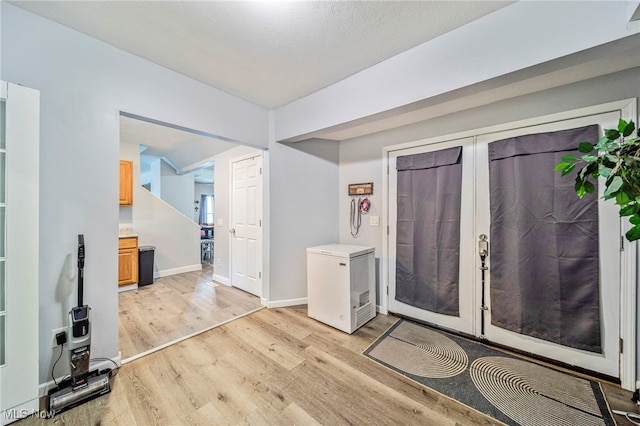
{"x":544,"y":264}
{"x":428,"y":230}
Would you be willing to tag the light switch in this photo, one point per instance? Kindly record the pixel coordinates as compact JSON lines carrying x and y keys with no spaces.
{"x":220,"y":222}
{"x":374,"y":220}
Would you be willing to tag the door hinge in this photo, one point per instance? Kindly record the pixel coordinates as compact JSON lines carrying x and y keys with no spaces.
{"x":259,"y":274}
{"x":260,"y":170}
{"x":621,"y":345}
{"x":260,"y":222}
{"x":387,"y":229}
{"x":621,"y":243}
{"x":387,"y":169}
{"x":387,"y":290}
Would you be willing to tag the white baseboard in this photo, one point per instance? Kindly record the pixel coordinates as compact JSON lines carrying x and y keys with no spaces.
{"x":127,"y":287}
{"x":222,"y":280}
{"x":286,"y":302}
{"x":180,"y":270}
{"x":381,"y":310}
{"x":98,"y":365}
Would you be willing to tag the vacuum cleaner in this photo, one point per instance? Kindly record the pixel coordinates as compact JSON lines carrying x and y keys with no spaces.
{"x":83,"y":385}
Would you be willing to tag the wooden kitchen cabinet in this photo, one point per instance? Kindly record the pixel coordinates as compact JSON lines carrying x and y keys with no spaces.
{"x":126,"y":183}
{"x":127,"y":261}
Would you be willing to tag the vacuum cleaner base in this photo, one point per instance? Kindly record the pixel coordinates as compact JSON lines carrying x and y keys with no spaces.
{"x":66,"y":396}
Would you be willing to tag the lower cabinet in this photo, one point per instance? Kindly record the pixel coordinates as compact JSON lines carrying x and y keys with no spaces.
{"x":127,"y":261}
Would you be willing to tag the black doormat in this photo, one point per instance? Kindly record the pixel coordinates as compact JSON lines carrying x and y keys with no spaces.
{"x":505,"y":387}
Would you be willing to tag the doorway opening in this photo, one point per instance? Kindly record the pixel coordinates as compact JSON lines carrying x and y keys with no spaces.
{"x":180,"y":208}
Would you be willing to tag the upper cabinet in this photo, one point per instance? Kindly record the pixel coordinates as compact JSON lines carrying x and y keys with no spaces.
{"x":126,"y":182}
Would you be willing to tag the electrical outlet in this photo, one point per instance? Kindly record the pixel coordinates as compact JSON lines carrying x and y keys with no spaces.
{"x":218,"y":261}
{"x":54,"y":344}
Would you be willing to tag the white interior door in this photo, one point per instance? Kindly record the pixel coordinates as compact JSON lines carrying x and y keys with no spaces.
{"x":246,"y":224}
{"x":475,"y":220}
{"x":609,"y":249}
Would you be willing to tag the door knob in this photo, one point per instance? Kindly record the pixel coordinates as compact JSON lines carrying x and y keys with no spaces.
{"x":232,"y":231}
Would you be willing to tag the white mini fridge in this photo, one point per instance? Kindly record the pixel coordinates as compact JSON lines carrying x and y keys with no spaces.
{"x":341,"y":285}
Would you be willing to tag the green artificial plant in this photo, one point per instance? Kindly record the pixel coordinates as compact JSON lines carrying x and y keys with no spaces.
{"x":617,"y":160}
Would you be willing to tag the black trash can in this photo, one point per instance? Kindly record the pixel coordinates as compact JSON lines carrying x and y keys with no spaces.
{"x":145,"y":265}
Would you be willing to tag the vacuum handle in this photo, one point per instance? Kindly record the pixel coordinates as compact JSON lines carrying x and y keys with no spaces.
{"x":80,"y":270}
{"x":81,"y":251}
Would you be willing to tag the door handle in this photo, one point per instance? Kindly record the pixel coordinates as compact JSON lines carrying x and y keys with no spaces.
{"x":483,"y":246}
{"x":232,"y":231}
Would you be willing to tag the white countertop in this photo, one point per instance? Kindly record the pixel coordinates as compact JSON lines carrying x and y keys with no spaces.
{"x":127,"y":235}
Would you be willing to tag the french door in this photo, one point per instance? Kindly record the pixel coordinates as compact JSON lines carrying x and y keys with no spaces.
{"x":465,"y":321}
{"x":475,"y":220}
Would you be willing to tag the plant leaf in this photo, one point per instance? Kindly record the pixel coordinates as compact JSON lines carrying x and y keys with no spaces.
{"x":629,"y":210}
{"x":609,"y":161}
{"x":585,"y":147}
{"x":633,"y":233}
{"x":612,"y":134}
{"x":602,"y":142}
{"x":613,"y":186}
{"x":569,"y":159}
{"x":592,"y":169}
{"x":589,"y":187}
{"x":579,"y":187}
{"x":604,"y":171}
{"x":628,"y":129}
{"x":561,"y":166}
{"x":622,"y":124}
{"x":589,"y":158}
{"x":622,"y":199}
{"x":568,"y":169}
{"x":635,"y":219}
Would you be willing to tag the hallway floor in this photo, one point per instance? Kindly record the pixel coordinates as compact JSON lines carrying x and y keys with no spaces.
{"x":177,"y":306}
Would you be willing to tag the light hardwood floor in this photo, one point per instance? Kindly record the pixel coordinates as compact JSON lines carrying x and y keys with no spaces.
{"x":174,"y":307}
{"x":273,"y":367}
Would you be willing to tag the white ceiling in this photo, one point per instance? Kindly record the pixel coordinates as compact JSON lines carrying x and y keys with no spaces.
{"x":267,"y":52}
{"x":185,"y":151}
{"x":274,"y":52}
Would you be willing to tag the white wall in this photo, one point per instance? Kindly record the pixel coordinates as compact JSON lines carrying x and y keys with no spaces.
{"x":175,"y":236}
{"x":222,"y":208}
{"x":176,"y":189}
{"x":83,"y":85}
{"x":304,"y":198}
{"x":155,"y":174}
